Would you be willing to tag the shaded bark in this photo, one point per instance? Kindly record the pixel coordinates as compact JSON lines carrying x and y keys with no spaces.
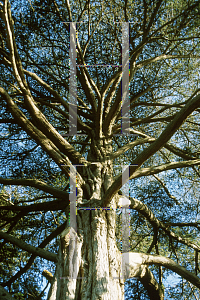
{"x":4,"y":295}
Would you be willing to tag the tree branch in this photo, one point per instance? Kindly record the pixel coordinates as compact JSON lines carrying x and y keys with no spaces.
{"x":169,"y":166}
{"x":148,"y":214}
{"x":136,"y":260}
{"x":166,"y":190}
{"x":169,"y":131}
{"x":149,"y":282}
{"x":48,"y":239}
{"x":59,"y":158}
{"x":38,"y":184}
{"x":162,"y":57}
{"x":56,"y":95}
{"x":148,"y":139}
{"x":45,"y":206}
{"x":31,"y":249}
{"x":15,"y":60}
{"x":46,"y":127}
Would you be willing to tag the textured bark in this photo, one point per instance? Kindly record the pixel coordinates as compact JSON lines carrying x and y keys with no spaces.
{"x":150,"y":284}
{"x":139,"y":260}
{"x":93,"y":260}
{"x":4,"y":295}
{"x":89,"y":264}
{"x":97,"y":259}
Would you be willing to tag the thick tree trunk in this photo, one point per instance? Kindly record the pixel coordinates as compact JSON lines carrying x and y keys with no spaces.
{"x":90,"y":268}
{"x":4,"y":295}
{"x":94,"y":265}
{"x":90,"y":264}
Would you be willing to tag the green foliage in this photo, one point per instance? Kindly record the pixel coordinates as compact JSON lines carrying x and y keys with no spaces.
{"x":159,"y":87}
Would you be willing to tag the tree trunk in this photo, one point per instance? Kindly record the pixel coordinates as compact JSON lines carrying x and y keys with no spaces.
{"x":4,"y":295}
{"x":96,"y":261}
{"x":90,"y":267}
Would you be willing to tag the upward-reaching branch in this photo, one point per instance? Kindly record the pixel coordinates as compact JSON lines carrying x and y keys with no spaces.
{"x":41,"y":121}
{"x":148,"y":214}
{"x":60,"y":158}
{"x":165,"y":136}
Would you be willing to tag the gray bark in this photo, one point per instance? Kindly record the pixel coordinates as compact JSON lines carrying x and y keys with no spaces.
{"x":97,"y":260}
{"x":93,"y":260}
{"x":4,"y":295}
{"x":89,"y":264}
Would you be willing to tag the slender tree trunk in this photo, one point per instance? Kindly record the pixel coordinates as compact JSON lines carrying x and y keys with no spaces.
{"x":93,"y":259}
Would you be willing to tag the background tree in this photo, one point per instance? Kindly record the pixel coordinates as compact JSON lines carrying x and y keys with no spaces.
{"x":163,"y":150}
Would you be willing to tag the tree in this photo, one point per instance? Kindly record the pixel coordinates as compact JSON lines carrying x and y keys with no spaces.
{"x":161,"y":151}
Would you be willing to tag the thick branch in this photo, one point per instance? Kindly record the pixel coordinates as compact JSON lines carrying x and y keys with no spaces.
{"x":53,"y":134}
{"x":163,"y":56}
{"x":56,"y":95}
{"x":169,"y":166}
{"x":15,"y":60}
{"x":45,"y":126}
{"x":148,"y":139}
{"x":169,"y":131}
{"x":59,"y":158}
{"x":133,"y":268}
{"x":149,"y":282}
{"x":148,"y":214}
{"x":38,"y":184}
{"x":138,"y":259}
{"x":33,"y":256}
{"x":31,"y":249}
{"x":45,"y":206}
{"x":129,"y":146}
